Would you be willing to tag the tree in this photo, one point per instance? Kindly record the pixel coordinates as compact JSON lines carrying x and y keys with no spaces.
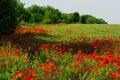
{"x":89,"y":19}
{"x":68,"y":18}
{"x":51,"y":15}
{"x":84,"y":18}
{"x":26,"y":16}
{"x":100,"y":21}
{"x":37,"y":13}
{"x":76,"y":17}
{"x":8,"y":16}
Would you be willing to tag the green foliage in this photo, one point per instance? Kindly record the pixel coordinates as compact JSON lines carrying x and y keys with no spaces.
{"x":8,"y":16}
{"x":4,"y":76}
{"x":76,"y":17}
{"x":13,"y":14}
{"x":89,"y":19}
{"x":51,"y":15}
{"x":47,"y":21}
{"x":26,"y":15}
{"x":86,"y":19}
{"x":69,"y":18}
{"x":36,"y":13}
{"x":20,"y":11}
{"x":101,"y":21}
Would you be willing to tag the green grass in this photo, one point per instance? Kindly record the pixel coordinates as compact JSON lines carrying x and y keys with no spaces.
{"x":59,"y":33}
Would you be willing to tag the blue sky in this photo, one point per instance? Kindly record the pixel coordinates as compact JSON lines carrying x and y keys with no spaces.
{"x":106,"y":9}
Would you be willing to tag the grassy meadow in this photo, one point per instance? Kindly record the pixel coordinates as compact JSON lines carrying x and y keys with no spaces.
{"x":61,"y":52}
{"x":85,"y":30}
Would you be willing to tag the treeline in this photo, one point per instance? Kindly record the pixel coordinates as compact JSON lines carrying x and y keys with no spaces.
{"x":14,"y":14}
{"x":50,"y":15}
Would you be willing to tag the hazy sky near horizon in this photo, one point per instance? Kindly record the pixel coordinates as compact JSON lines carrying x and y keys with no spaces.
{"x":106,"y":9}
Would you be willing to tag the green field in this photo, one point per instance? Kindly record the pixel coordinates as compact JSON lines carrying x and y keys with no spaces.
{"x":61,"y":52}
{"x":65,"y":32}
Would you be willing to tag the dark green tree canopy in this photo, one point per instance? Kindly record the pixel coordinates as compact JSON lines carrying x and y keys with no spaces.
{"x":89,"y":19}
{"x":9,"y":15}
{"x":76,"y":17}
{"x":50,"y":15}
{"x":37,"y":13}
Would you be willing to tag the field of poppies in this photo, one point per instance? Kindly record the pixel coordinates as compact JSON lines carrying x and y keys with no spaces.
{"x":61,"y":52}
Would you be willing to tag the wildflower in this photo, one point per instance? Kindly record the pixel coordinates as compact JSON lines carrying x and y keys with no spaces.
{"x":95,"y":69}
{"x":47,"y":57}
{"x":118,"y":69}
{"x":44,"y":66}
{"x":85,"y":69}
{"x":59,"y":71}
{"x":28,"y":78}
{"x":54,"y":46}
{"x":70,"y":64}
{"x":31,"y":72}
{"x":112,"y":74}
{"x":1,"y":55}
{"x":45,"y":47}
{"x":70,"y":50}
{"x":76,"y":64}
{"x":45,"y":70}
{"x":38,"y":65}
{"x":79,"y":57}
{"x":118,"y":50}
{"x":18,"y":74}
{"x":51,"y":72}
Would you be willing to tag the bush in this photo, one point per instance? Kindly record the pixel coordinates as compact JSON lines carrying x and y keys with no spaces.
{"x":89,"y":19}
{"x":8,"y":17}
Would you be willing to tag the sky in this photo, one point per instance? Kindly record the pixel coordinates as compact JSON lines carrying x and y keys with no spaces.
{"x":105,"y":9}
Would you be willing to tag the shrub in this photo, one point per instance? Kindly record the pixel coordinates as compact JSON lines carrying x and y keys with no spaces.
{"x":8,"y":16}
